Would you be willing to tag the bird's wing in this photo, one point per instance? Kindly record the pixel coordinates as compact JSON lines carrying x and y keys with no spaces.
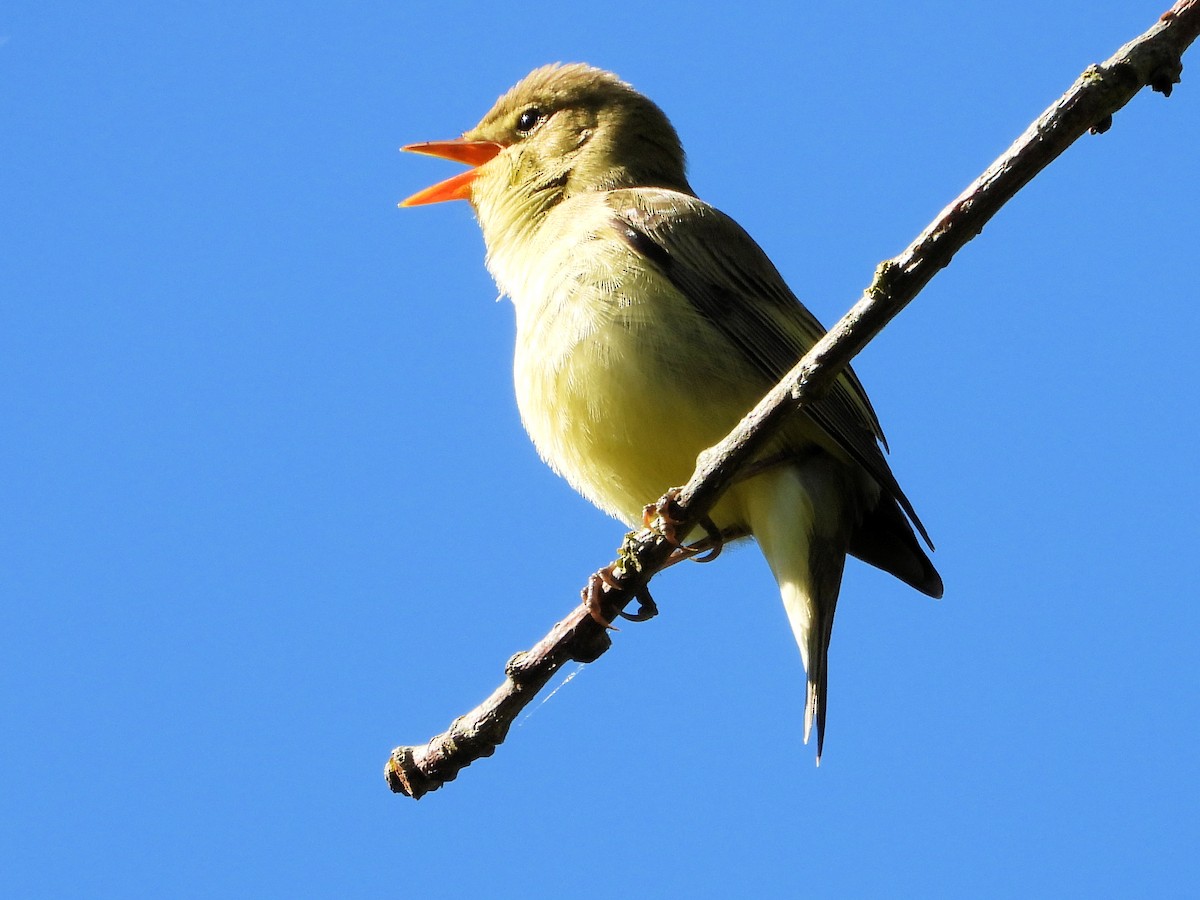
{"x":727,"y":277}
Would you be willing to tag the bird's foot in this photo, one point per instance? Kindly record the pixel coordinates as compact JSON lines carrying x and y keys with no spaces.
{"x":593,"y":594}
{"x":666,"y":512}
{"x":593,"y":599}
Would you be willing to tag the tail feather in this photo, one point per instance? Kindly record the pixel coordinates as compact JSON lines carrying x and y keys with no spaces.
{"x":798,"y":517}
{"x":820,"y":595}
{"x":815,"y":704}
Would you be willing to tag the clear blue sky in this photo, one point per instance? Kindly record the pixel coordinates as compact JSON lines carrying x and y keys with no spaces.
{"x":267,"y":509}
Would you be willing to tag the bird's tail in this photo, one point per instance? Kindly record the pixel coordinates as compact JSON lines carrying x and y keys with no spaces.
{"x":810,"y":608}
{"x":810,"y":604}
{"x":797,"y":515}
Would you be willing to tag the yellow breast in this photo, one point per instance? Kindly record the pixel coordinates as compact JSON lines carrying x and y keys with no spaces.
{"x":619,"y":381}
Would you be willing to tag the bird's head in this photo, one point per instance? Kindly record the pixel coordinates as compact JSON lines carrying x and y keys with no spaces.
{"x":561,"y":131}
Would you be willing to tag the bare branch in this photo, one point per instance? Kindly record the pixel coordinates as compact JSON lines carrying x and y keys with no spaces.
{"x":1153,"y":59}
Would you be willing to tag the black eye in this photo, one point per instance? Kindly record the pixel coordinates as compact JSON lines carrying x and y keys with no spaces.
{"x":529,"y":120}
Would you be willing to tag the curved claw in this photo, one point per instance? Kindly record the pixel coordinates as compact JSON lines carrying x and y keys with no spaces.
{"x":647,"y":608}
{"x":714,"y":535}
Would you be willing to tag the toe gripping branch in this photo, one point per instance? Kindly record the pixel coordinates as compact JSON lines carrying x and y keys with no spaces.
{"x":664,"y":518}
{"x":666,"y":514}
{"x":616,"y":577}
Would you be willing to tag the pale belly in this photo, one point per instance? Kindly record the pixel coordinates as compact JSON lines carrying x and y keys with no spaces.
{"x":619,"y":412}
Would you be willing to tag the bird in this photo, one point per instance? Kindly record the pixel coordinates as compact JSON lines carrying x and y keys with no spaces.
{"x":648,"y":323}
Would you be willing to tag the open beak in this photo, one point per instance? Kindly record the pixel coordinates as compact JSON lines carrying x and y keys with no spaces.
{"x":473,"y":153}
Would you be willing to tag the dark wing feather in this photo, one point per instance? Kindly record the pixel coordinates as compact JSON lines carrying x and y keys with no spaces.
{"x":727,"y":277}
